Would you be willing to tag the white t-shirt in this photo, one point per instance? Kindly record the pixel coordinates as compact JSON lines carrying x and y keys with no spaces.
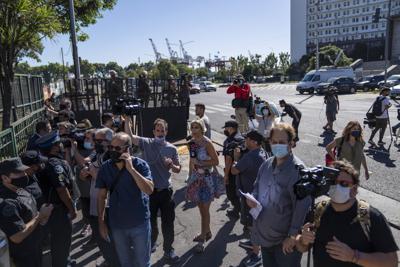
{"x":385,"y":102}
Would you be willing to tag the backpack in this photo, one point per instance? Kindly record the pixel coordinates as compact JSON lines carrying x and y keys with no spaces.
{"x":363,"y":215}
{"x":377,"y":106}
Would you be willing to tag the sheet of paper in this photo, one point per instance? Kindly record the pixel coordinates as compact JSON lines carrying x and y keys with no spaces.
{"x":254,"y":212}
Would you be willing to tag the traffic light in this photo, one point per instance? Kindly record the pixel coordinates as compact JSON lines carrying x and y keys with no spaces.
{"x":376,"y":16}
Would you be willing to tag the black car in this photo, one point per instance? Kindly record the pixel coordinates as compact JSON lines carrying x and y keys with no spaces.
{"x":370,"y":83}
{"x":341,"y":84}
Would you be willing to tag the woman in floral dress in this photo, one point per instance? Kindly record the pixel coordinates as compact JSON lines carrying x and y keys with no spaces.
{"x":204,"y":183}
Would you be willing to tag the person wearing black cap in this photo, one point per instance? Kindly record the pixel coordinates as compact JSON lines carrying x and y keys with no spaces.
{"x":19,"y":217}
{"x":35,"y":162}
{"x":58,"y":191}
{"x":233,"y":140}
{"x":246,"y":168}
{"x":294,"y":113}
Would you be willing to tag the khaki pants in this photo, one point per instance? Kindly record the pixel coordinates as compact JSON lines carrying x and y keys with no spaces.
{"x":242,"y":119}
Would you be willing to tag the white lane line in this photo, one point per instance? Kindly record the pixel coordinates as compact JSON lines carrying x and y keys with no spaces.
{"x":208,"y":111}
{"x":217,"y":109}
{"x":227,"y":107}
{"x":192,"y":112}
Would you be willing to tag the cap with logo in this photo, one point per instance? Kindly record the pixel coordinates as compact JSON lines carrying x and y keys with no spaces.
{"x":12,"y":165}
{"x":48,"y":140}
{"x":32,"y":157}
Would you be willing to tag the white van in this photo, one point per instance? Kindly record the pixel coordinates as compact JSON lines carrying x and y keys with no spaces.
{"x":315,"y":77}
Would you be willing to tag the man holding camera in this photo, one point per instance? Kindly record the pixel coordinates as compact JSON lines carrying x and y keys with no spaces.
{"x":346,"y":231}
{"x":278,"y":214}
{"x":233,"y":140}
{"x":58,"y":190}
{"x":127,"y":180}
{"x":144,"y":91}
{"x":246,"y":168}
{"x":114,"y":87}
{"x":163,"y":159}
{"x":240,"y":103}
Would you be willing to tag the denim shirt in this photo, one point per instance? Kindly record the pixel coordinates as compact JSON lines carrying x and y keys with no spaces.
{"x":282,"y":213}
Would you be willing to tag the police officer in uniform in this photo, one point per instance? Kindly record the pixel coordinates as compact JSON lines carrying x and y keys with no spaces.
{"x":58,"y":191}
{"x":19,"y":217}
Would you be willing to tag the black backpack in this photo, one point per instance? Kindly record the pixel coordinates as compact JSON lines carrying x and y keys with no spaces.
{"x":377,"y":106}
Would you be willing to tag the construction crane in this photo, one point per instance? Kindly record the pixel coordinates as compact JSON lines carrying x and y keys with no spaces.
{"x":186,"y":57}
{"x":173,"y":54}
{"x":157,"y":54}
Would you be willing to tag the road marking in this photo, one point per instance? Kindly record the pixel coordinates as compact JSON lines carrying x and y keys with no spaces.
{"x":217,"y":109}
{"x":227,"y":107}
{"x":311,"y":135}
{"x":192,"y":112}
{"x":208,"y":111}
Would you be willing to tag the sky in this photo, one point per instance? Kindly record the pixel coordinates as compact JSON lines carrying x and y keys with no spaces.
{"x":209,"y":27}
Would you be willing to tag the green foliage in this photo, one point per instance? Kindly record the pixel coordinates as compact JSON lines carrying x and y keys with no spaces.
{"x":114,"y":66}
{"x":270,"y":63}
{"x":183,"y":68}
{"x":327,"y":56}
{"x":165,"y":68}
{"x":284,"y":62}
{"x":201,"y":72}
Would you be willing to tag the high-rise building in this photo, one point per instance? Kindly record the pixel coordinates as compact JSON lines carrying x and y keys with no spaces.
{"x":345,"y":23}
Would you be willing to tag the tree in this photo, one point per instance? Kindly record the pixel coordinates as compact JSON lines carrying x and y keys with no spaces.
{"x":166,"y":68}
{"x":23,"y":68}
{"x":270,"y":63}
{"x":183,"y":68}
{"x":23,"y":26}
{"x":327,"y":56}
{"x":202,"y":72}
{"x":50,"y":72}
{"x":284,"y":61}
{"x":114,"y":66}
{"x":99,"y":69}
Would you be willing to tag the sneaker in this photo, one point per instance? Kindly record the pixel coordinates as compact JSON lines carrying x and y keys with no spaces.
{"x":171,"y":257}
{"x":253,"y":260}
{"x":371,"y":142}
{"x":246,"y":243}
{"x":381,"y":143}
{"x":86,"y":231}
{"x":233,"y":214}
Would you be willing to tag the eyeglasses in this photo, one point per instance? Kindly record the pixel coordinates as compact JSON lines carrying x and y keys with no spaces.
{"x":116,"y":148}
{"x":99,"y":140}
{"x":344,"y":183}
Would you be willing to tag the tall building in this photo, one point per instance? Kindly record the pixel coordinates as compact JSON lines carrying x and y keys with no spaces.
{"x":347,"y":24}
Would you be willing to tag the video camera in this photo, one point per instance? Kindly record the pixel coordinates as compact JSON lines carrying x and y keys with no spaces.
{"x":315,"y":181}
{"x":236,"y":144}
{"x":127,"y":106}
{"x":76,"y":135}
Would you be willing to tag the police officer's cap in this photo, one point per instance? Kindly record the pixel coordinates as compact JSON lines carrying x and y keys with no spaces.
{"x":232,"y":124}
{"x":12,"y":165}
{"x":48,"y":140}
{"x":32,"y":157}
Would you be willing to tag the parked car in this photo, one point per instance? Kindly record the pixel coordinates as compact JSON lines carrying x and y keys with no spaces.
{"x":195,"y":89}
{"x":370,"y":83}
{"x":260,"y":79}
{"x":390,"y":82}
{"x":208,"y":86}
{"x":342,"y":85}
{"x":313,"y":78}
{"x":395,"y":92}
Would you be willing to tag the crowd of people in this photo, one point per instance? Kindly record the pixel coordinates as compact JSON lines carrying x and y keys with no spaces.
{"x":122,"y":183}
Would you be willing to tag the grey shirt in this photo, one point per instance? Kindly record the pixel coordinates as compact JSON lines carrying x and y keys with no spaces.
{"x":154,"y":153}
{"x":331,"y":102}
{"x":248,"y":166}
{"x":208,"y":126}
{"x":282,"y":214}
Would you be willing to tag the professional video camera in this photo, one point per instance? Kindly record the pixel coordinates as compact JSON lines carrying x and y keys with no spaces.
{"x":315,"y":181}
{"x":236,"y":144}
{"x":127,"y":106}
{"x":76,"y":135}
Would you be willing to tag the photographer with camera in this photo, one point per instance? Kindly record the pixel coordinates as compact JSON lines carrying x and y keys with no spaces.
{"x":241,"y":102}
{"x":163,"y":160}
{"x":114,"y":87}
{"x":345,"y":231}
{"x":380,"y":110}
{"x":278,"y":214}
{"x":331,"y":101}
{"x":233,"y":140}
{"x":245,"y":168}
{"x":294,"y":113}
{"x":184,"y":93}
{"x":143,"y":90}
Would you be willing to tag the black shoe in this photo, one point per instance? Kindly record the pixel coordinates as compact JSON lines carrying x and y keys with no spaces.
{"x":246,"y":244}
{"x":233,"y":214}
{"x":171,"y":257}
{"x":381,"y":143}
{"x":394,"y":131}
{"x":371,"y":142}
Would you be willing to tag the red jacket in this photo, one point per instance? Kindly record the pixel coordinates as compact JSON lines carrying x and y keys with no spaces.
{"x":240,"y":92}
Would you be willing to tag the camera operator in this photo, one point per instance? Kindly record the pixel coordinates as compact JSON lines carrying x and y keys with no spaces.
{"x":144,"y":91}
{"x":331,"y":101}
{"x":346,"y":231}
{"x":295,"y":114}
{"x":128,"y":182}
{"x":282,"y":215}
{"x":246,"y":168}
{"x":233,"y":140}
{"x":163,"y":159}
{"x":241,"y":102}
{"x":169,"y":92}
{"x":107,"y":121}
{"x":184,"y":93}
{"x":114,"y":87}
{"x":58,"y":191}
{"x":382,"y":119}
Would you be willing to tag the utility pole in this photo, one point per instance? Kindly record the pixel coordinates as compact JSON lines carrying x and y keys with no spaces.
{"x":317,"y":39}
{"x":63,"y":63}
{"x":388,"y":23}
{"x":77,"y":69}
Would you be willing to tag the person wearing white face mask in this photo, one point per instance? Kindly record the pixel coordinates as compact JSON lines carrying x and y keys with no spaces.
{"x":346,"y":231}
{"x":163,"y":159}
{"x":280,"y":214}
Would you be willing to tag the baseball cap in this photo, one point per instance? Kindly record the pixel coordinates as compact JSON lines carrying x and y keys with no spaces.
{"x":32,"y":157}
{"x":12,"y":165}
{"x":255,"y":136}
{"x":84,"y":125}
{"x":232,"y":124}
{"x":48,"y":140}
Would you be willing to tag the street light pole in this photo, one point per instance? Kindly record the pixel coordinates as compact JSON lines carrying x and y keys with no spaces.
{"x":77,"y":69}
{"x":317,"y":39}
{"x":388,"y":20}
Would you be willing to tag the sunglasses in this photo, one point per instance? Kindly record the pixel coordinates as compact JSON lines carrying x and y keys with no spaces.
{"x":99,"y":140}
{"x":116,"y":148}
{"x":344,"y":183}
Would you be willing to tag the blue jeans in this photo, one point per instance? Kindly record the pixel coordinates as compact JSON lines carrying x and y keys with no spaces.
{"x":274,"y":256}
{"x":133,"y":245}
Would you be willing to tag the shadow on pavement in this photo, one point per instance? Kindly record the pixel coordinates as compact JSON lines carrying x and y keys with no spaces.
{"x":328,"y":137}
{"x":179,"y":197}
{"x":381,"y":154}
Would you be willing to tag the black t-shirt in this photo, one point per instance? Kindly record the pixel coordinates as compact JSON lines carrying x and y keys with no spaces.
{"x":339,"y":224}
{"x":292,"y":110}
{"x":236,"y":138}
{"x":16,"y":210}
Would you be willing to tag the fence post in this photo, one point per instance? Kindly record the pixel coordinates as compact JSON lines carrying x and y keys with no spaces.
{"x":14,"y":142}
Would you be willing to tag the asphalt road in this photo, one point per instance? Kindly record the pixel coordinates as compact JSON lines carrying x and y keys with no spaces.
{"x":382,"y":162}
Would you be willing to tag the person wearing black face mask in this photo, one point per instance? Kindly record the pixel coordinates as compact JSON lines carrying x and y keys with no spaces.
{"x":58,"y":190}
{"x":350,"y":146}
{"x":233,"y":139}
{"x":20,"y":219}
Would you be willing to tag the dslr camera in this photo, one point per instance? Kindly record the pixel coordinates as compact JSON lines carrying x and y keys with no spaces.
{"x":315,"y":181}
{"x":127,"y":106}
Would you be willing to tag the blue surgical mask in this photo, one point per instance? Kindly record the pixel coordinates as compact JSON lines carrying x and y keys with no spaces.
{"x":356,"y":133}
{"x":160,"y":139}
{"x":88,"y":145}
{"x":280,"y":150}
